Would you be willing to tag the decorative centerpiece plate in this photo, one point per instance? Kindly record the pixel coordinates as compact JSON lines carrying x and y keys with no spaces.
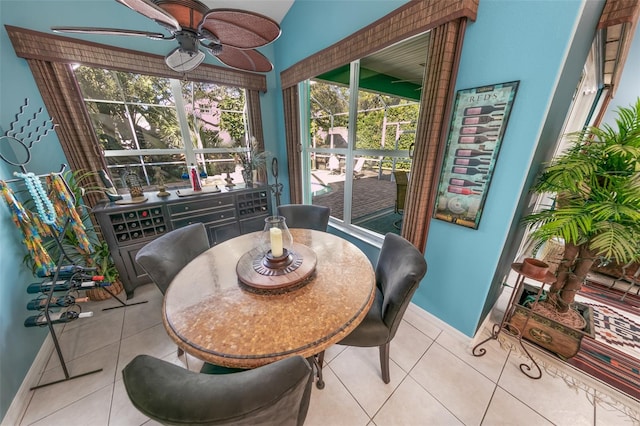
{"x":254,"y":270}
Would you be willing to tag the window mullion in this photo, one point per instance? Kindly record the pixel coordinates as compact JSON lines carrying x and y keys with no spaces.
{"x":181,"y":112}
{"x":305,"y":133}
{"x":351,"y":138}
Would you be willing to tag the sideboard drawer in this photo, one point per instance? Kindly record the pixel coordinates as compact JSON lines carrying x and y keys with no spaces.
{"x":194,"y":206}
{"x":208,"y":217}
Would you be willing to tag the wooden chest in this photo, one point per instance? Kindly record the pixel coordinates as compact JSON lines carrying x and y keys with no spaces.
{"x":549,"y":334}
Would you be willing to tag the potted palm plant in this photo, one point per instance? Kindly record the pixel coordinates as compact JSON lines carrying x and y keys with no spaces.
{"x":596,"y":202}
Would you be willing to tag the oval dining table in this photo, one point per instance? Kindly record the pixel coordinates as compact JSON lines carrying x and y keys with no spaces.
{"x":215,"y":317}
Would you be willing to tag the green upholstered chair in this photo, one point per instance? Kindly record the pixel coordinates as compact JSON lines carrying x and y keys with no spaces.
{"x":165,"y":256}
{"x":274,"y":394}
{"x":305,"y":216}
{"x":399,"y":270}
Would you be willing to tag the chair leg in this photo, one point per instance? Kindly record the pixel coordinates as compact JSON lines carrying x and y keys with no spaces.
{"x":316,"y":361}
{"x":384,"y":362}
{"x":321,"y":358}
{"x":180,"y":352}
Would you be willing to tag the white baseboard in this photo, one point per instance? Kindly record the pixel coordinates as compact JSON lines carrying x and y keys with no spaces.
{"x":439,"y":323}
{"x":23,"y":396}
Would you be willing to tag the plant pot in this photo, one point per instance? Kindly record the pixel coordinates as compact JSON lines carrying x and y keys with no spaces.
{"x":548,"y":333}
{"x":98,"y":294}
{"x":534,"y":268}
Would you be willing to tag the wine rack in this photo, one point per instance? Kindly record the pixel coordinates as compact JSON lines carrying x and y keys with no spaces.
{"x":253,"y":203}
{"x":64,"y":308}
{"x":137,"y":224}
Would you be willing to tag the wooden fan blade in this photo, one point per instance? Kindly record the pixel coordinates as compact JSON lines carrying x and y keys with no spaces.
{"x":151,"y":11}
{"x":247,"y":60}
{"x":110,"y":31}
{"x":240,"y":29}
{"x":188,"y":13}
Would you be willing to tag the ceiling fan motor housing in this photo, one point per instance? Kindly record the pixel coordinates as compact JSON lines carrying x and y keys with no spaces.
{"x":188,"y":41}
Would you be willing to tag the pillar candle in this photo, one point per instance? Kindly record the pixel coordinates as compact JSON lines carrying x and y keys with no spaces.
{"x":275,"y":235}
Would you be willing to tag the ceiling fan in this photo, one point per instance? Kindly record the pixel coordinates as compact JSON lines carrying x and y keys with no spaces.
{"x":228,"y":34}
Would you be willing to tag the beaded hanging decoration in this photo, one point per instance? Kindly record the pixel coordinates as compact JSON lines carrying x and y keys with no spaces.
{"x":44,"y":207}
{"x":65,"y":205}
{"x":31,"y":228}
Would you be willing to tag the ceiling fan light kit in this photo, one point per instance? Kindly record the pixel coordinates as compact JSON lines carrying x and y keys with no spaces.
{"x":231,"y":35}
{"x":181,"y":60}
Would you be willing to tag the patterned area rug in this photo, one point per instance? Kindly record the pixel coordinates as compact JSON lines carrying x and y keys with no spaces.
{"x":614,"y":355}
{"x":611,"y":296}
{"x":619,"y":331}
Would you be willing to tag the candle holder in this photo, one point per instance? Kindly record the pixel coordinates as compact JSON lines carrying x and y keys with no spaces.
{"x":280,"y":262}
{"x":276,"y":256}
{"x":276,"y":263}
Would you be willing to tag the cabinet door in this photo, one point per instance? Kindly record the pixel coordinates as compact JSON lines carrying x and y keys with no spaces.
{"x":222,"y":232}
{"x":135,"y":274}
{"x":252,"y":225}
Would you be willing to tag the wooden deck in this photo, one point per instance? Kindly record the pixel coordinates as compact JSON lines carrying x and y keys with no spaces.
{"x":370,"y":196}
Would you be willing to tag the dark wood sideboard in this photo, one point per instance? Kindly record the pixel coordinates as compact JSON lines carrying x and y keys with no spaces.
{"x":128,"y":227}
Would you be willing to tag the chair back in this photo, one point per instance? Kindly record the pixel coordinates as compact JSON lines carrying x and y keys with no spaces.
{"x":402,"y":181}
{"x":165,"y":256}
{"x":357,"y":168}
{"x":399,"y":270}
{"x":275,"y":394}
{"x":305,"y":216}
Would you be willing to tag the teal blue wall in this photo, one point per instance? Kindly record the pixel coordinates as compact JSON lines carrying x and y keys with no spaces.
{"x":19,"y":344}
{"x":526,"y":40}
{"x":511,"y":40}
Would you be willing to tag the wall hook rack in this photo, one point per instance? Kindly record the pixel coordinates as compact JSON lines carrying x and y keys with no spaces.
{"x":23,"y":133}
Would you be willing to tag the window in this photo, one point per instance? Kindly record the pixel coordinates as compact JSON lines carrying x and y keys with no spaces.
{"x":359,"y":137}
{"x":157,"y":126}
{"x":446,"y":23}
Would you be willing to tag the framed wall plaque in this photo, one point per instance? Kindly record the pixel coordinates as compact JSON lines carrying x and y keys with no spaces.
{"x":477,"y":127}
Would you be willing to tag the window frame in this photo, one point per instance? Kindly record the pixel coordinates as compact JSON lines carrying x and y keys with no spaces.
{"x":50,"y":56}
{"x":349,"y":153}
{"x":189,"y":146}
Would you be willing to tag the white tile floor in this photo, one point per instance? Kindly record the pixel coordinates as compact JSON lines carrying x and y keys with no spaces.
{"x":435,"y":380}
